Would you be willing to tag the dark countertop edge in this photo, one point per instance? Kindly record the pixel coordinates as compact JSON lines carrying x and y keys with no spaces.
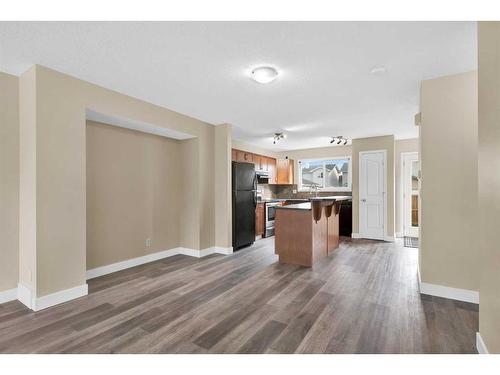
{"x":296,"y":206}
{"x":332,"y":198}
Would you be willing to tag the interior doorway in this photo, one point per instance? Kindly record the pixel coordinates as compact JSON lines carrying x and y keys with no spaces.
{"x":410,"y":166}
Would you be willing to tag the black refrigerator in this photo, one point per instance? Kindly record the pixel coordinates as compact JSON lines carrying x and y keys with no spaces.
{"x":244,"y":182}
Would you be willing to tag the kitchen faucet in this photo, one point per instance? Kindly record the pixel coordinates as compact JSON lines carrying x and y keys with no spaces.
{"x":315,"y":187}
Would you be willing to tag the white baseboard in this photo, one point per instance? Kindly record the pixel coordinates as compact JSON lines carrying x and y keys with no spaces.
{"x":60,"y":297}
{"x":480,"y":345}
{"x":222,"y":250}
{"x":386,"y":238}
{"x":8,"y":295}
{"x":25,"y":295}
{"x":465,"y":295}
{"x":110,"y":268}
{"x":28,"y":298}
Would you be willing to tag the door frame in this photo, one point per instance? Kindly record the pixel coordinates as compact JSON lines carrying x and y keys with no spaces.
{"x":384,"y":153}
{"x":403,"y":208}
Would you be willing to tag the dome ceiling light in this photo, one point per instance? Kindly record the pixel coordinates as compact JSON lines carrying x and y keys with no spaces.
{"x":264,"y":74}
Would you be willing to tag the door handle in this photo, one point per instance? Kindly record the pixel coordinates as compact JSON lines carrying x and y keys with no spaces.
{"x":363,"y":200}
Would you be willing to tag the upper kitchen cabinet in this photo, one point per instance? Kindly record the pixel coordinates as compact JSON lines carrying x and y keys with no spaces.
{"x":257,"y":160}
{"x":271,"y":170}
{"x":284,"y":171}
{"x":280,"y":172}
{"x":243,"y":156}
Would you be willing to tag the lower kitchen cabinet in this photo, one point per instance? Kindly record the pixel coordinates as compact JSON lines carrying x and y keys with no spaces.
{"x":260,"y":222}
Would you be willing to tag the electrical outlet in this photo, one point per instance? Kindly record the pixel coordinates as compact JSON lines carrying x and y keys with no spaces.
{"x":148,"y":242}
{"x":294,"y":191}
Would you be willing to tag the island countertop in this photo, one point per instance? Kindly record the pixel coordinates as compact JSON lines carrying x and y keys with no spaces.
{"x":308,"y":205}
{"x":336,"y":198}
{"x":296,"y":206}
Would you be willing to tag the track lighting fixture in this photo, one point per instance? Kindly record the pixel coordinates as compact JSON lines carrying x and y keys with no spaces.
{"x":277,"y":137}
{"x":339,"y":139}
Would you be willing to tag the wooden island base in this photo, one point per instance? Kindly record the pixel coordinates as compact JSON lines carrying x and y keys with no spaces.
{"x":307,"y":232}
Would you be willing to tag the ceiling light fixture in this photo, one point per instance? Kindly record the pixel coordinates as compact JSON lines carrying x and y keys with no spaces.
{"x":339,"y":139}
{"x":277,"y":137}
{"x":264,"y":74}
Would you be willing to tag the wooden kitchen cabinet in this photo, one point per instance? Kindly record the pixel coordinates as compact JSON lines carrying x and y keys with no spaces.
{"x":271,"y":170}
{"x":262,"y":163}
{"x":243,"y":156}
{"x":284,"y":171}
{"x":260,"y":222}
{"x":257,"y":160}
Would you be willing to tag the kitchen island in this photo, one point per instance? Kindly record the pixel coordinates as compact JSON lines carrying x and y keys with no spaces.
{"x":307,"y":232}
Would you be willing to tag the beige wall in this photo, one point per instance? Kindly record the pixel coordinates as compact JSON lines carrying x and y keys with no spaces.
{"x":401,"y":146}
{"x":27,"y":179}
{"x":59,"y":154}
{"x":222,"y":201}
{"x":489,"y":183}
{"x":132,"y":193}
{"x":189,"y":226}
{"x":9,"y":177}
{"x":369,"y":144}
{"x":311,"y":153}
{"x":448,"y":188}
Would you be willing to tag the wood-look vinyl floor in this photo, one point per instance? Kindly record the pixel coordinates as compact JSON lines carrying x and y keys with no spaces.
{"x":362,"y":299}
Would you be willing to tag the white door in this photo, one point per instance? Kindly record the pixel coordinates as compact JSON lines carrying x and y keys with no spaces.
{"x":411,"y":167}
{"x":372,"y":203}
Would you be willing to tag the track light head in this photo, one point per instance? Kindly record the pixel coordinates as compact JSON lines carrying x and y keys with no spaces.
{"x":339,"y":140}
{"x":277,"y":137}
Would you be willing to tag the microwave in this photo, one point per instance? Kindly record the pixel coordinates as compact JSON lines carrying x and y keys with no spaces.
{"x":262,"y":177}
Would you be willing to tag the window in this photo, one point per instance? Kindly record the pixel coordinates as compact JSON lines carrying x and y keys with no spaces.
{"x":331,"y":174}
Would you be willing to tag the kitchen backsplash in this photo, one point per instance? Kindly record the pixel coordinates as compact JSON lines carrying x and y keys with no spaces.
{"x":286,"y":191}
{"x":266,"y":191}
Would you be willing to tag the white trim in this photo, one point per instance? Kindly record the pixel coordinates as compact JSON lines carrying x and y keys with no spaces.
{"x":355,"y":235}
{"x":8,"y":295}
{"x":60,"y":297}
{"x":223,"y":250}
{"x":326,"y":189}
{"x":480,"y":345}
{"x":402,"y":188}
{"x":465,"y":295}
{"x":399,"y":235}
{"x":127,"y":123}
{"x":384,"y":151}
{"x":389,"y":239}
{"x":129,"y":263}
{"x":25,"y":295}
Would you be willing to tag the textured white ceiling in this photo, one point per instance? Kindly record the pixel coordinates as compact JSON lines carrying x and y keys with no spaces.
{"x":201,"y":69}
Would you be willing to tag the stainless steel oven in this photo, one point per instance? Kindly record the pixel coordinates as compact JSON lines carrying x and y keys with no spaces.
{"x":270,"y":214}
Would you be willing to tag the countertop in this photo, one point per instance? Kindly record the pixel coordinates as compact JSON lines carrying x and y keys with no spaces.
{"x":283,"y":200}
{"x":305,"y":200}
{"x":307,"y":205}
{"x":332,"y":198}
{"x":296,"y":206}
